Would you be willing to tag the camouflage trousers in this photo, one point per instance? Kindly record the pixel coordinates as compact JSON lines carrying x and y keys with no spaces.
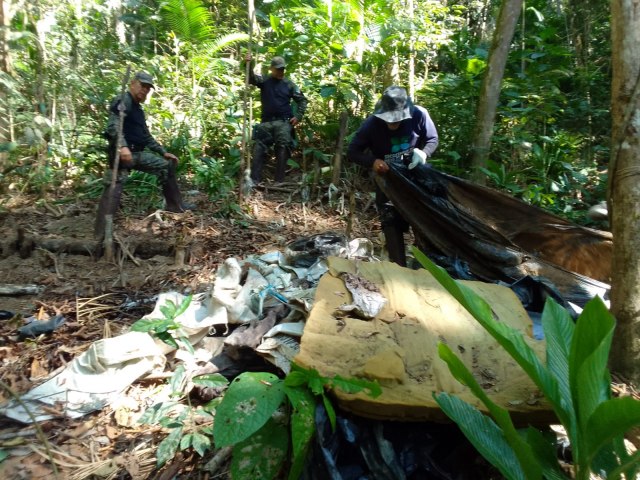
{"x":277,"y":132}
{"x":144,"y":161}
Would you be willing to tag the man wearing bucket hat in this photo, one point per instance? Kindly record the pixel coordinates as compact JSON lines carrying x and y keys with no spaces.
{"x":278,"y":117}
{"x":138,"y":150}
{"x":397,"y":132}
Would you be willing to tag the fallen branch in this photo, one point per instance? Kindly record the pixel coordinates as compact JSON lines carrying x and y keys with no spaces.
{"x":213,"y":465}
{"x":9,"y":289}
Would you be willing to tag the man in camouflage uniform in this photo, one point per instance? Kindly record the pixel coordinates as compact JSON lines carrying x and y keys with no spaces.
{"x":278,"y":119}
{"x":138,"y":150}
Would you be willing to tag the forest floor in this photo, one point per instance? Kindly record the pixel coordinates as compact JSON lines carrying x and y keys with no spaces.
{"x":99,"y":299}
{"x":158,"y":252}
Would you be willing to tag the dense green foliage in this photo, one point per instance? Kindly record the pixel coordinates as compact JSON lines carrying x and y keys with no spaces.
{"x":66,"y":61}
{"x":574,"y":380}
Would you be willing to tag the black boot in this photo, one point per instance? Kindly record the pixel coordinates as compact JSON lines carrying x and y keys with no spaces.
{"x":257,"y":163}
{"x":109,"y":204}
{"x":282,"y":157}
{"x":172,"y":195}
{"x":394,"y":238}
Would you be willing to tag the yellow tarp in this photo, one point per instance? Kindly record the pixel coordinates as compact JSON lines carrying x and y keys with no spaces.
{"x":399,"y":347}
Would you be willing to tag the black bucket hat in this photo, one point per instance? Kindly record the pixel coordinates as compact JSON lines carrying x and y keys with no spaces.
{"x":394,"y":105}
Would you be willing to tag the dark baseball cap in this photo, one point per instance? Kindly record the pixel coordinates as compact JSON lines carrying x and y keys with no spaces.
{"x":278,"y":62}
{"x":394,"y":106}
{"x":144,"y":77}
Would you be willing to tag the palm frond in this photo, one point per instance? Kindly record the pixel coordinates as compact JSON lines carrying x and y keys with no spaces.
{"x":188,"y":19}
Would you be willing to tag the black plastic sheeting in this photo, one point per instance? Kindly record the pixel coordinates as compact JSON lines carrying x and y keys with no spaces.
{"x":479,"y":233}
{"x":361,"y":449}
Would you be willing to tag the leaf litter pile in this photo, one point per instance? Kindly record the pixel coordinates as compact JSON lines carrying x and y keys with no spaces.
{"x":47,"y":248}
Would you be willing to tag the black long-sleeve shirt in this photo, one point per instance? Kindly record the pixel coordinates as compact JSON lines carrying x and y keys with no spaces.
{"x":135,"y":133}
{"x":276,"y":96}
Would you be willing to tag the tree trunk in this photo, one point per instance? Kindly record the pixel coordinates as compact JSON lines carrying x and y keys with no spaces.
{"x":624,"y":187}
{"x":5,"y":66}
{"x":337,"y":159}
{"x":490,"y":92}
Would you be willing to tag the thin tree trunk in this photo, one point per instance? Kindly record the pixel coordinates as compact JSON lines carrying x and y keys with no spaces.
{"x":624,"y":187}
{"x":490,"y":92}
{"x":245,"y":159}
{"x":337,"y":160}
{"x":5,"y":65}
{"x":411,"y":88}
{"x":580,"y":22}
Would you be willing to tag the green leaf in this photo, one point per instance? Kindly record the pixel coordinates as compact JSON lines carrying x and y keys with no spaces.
{"x":262,"y":455}
{"x":183,"y":306}
{"x":155,"y":413}
{"x":176,"y":382}
{"x":331,"y":413}
{"x":484,"y":434}
{"x":355,"y":385}
{"x":590,"y":381}
{"x":246,"y":406}
{"x":611,"y":419}
{"x":523,"y":452}
{"x":169,"y":311}
{"x":629,"y":467}
{"x":296,"y":378}
{"x":274,"y":22}
{"x":185,"y":441}
{"x":187,"y":343}
{"x":213,"y":380}
{"x":3,"y":455}
{"x":167,"y":338}
{"x":558,"y":332}
{"x":303,"y":427}
{"x":212,"y":405}
{"x":150,"y":325}
{"x":201,"y":443}
{"x":316,"y":382}
{"x":168,"y":447}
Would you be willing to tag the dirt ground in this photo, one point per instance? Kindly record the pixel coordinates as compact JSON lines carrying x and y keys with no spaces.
{"x":99,"y":298}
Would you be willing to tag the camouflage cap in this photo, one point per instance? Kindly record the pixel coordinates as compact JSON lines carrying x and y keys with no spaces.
{"x":144,"y":77}
{"x":278,"y":62}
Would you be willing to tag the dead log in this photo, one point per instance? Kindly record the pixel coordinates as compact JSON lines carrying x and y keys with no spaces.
{"x":75,"y":246}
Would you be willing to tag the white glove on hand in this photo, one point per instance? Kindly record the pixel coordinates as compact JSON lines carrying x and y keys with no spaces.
{"x":418,"y":158}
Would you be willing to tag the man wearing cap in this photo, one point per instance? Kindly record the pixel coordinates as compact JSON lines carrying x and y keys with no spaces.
{"x":396,"y":132}
{"x":278,"y":118}
{"x":138,"y":149}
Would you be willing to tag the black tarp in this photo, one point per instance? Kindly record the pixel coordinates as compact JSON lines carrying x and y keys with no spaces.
{"x":480,"y":233}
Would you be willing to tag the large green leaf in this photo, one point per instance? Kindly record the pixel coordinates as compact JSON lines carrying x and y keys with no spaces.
{"x":558,"y":329}
{"x":246,"y":406}
{"x":484,"y":434}
{"x":261,"y":456}
{"x":303,"y":426}
{"x":590,"y":381}
{"x":529,"y":464}
{"x":611,"y":419}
